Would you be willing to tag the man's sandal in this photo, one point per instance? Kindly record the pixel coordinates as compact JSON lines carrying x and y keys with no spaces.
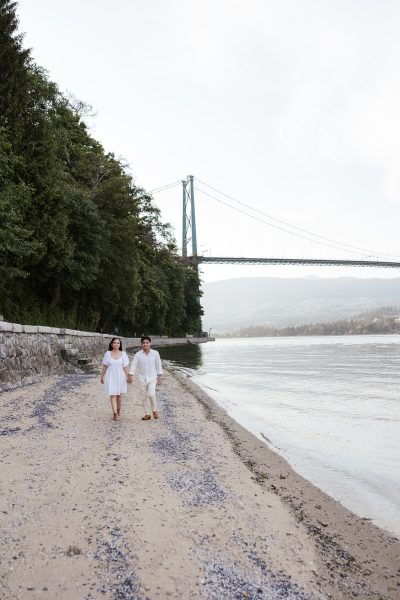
{"x":155,"y":414}
{"x":146,"y":417}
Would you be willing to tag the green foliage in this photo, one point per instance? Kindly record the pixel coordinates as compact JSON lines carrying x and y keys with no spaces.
{"x":80,"y":245}
{"x":193,"y":309}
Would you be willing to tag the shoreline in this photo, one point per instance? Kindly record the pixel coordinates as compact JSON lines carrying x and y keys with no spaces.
{"x":366,"y":512}
{"x":331,"y":413}
{"x":189,"y":506}
{"x":346,"y":542}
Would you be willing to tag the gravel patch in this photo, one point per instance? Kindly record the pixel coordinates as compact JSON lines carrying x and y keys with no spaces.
{"x":10,"y":430}
{"x":201,"y":488}
{"x":176,"y":447}
{"x":165,"y":406}
{"x":224,"y":581}
{"x":46,"y":405}
{"x":121,"y":579}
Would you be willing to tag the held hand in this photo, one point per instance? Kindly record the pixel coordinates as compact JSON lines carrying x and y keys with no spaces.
{"x":159,"y":380}
{"x":129,"y":378}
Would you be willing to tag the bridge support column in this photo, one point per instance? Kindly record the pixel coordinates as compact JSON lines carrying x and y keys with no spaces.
{"x":188,"y":216}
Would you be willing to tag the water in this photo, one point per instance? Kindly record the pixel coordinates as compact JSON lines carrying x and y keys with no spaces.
{"x":329,"y":405}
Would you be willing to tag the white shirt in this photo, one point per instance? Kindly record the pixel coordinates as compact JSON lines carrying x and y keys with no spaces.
{"x":149,"y":365}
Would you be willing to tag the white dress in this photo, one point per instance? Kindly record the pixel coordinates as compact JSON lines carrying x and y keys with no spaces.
{"x":115,"y":380}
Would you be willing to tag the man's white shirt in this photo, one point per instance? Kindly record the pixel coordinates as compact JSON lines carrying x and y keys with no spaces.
{"x":149,"y":365}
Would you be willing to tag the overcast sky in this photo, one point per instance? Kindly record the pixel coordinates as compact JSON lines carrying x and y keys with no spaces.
{"x":289,"y":106}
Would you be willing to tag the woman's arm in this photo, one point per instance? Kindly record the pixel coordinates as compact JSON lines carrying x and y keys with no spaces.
{"x":105,"y":367}
{"x":126,"y":364}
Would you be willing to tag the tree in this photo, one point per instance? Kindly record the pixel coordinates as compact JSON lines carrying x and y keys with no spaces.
{"x":80,"y":244}
{"x":193,"y":309}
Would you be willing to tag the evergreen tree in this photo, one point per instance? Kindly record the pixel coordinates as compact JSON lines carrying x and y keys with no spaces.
{"x":80,"y":245}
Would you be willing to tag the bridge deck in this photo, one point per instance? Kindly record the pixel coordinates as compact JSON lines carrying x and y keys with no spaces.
{"x":295,"y":261}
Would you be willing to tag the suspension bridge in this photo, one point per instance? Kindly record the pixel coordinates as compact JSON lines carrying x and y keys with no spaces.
{"x":189,"y":235}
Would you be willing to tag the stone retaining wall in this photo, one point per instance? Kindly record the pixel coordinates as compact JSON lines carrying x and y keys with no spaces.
{"x":28,"y":352}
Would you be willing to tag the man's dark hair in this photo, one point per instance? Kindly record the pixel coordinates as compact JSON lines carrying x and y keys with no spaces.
{"x":111,"y":343}
{"x":145,"y":337}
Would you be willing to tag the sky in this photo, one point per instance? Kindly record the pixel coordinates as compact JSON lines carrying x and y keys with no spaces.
{"x":290,"y":108}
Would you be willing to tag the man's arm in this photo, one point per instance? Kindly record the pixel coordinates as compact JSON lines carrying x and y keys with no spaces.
{"x":159,"y":368}
{"x":133,"y":368}
{"x":158,"y":364}
{"x":134,"y":364}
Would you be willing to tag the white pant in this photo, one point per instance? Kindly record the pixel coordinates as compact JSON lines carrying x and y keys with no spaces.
{"x":148,"y":393}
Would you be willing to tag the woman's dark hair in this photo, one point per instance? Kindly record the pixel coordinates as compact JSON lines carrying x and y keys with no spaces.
{"x":111,"y":343}
{"x":145,"y":337}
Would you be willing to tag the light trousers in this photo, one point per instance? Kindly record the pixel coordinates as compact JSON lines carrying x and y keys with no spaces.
{"x":148,"y":393}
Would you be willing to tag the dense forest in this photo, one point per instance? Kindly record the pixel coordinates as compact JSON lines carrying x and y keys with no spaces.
{"x":385,"y":321}
{"x":81,"y":246}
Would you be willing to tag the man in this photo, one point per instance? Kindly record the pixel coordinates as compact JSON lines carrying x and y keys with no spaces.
{"x":150,"y":374}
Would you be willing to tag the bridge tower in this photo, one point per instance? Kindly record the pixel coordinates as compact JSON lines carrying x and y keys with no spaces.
{"x":188,"y":216}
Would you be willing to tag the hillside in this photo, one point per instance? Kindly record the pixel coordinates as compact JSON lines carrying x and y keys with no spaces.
{"x":276,"y":302}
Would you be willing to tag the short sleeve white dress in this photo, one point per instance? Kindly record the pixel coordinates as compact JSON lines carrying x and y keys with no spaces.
{"x":115,"y":380}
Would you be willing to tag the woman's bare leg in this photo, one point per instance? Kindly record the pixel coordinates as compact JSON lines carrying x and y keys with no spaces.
{"x":113,"y":400}
{"x":119,"y":402}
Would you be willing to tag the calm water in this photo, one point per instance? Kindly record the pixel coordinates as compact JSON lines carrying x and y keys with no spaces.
{"x":329,"y":405}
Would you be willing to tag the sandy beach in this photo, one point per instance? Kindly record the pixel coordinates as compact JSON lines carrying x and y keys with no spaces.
{"x":188,"y":506}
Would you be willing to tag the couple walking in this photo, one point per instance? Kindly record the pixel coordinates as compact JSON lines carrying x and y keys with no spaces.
{"x":116,"y":375}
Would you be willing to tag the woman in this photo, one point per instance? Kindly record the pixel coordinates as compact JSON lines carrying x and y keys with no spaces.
{"x":114,"y":374}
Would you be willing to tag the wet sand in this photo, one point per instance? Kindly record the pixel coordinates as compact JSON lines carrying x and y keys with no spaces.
{"x":189,"y":506}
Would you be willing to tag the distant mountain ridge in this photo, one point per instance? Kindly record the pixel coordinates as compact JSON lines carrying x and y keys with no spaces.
{"x":277,"y":302}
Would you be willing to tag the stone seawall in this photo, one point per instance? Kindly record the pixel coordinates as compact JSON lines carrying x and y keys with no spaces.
{"x":28,"y":352}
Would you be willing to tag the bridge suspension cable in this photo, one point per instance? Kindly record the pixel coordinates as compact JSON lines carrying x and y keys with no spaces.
{"x":321,"y":240}
{"x":165,"y":187}
{"x":279,"y":224}
{"x":298,"y":235}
